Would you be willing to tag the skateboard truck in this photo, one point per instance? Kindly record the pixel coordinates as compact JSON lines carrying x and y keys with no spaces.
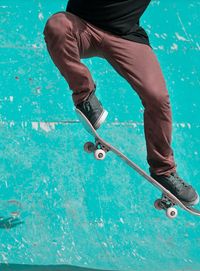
{"x":166,"y":204}
{"x":98,"y":149}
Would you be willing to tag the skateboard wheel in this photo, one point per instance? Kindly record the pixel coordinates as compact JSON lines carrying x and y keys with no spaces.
{"x":171,"y":212}
{"x":157,"y":204}
{"x":99,"y":154}
{"x":89,"y":147}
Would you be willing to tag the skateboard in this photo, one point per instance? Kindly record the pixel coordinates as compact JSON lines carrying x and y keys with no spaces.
{"x":100,"y":147}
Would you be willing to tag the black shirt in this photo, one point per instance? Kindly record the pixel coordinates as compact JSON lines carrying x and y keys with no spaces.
{"x":120,"y":17}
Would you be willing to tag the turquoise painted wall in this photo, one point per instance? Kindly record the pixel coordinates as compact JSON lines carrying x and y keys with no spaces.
{"x":58,"y":206}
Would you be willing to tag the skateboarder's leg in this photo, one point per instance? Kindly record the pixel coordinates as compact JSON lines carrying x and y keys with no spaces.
{"x":139,"y":66}
{"x":68,"y":41}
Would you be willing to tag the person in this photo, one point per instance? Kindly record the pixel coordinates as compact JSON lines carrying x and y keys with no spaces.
{"x":110,"y":29}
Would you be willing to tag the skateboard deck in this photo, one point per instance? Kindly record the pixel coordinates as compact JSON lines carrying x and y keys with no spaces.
{"x":167,"y":202}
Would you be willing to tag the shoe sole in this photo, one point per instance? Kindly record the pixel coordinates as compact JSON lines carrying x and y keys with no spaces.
{"x":101,"y":119}
{"x":191,"y":203}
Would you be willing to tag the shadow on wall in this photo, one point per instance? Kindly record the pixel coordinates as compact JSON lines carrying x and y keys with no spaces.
{"x":19,"y":267}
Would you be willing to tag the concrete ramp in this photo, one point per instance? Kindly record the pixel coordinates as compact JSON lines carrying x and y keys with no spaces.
{"x":60,"y":209}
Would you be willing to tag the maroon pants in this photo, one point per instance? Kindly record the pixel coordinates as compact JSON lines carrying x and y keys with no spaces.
{"x":70,"y":38}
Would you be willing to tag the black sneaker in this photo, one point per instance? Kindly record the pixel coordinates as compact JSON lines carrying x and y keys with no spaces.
{"x":183,"y":191}
{"x":93,"y":110}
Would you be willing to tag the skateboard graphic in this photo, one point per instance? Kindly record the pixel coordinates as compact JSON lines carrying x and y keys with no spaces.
{"x":167,"y":202}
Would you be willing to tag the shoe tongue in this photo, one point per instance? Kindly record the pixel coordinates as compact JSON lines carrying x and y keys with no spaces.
{"x":168,"y":174}
{"x":174,"y":174}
